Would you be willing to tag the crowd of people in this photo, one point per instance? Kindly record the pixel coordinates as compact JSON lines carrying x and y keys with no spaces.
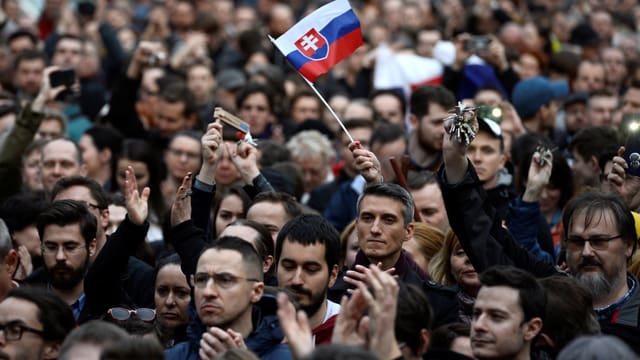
{"x":136,"y":224}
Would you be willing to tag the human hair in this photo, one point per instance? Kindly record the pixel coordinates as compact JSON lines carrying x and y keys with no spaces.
{"x":443,"y":336}
{"x":251,"y":260}
{"x":22,"y":33}
{"x":35,"y":145}
{"x":29,"y":55}
{"x":440,"y":264}
{"x":94,"y":332}
{"x":594,"y":205}
{"x":424,"y":96}
{"x":413,"y":313}
{"x":310,"y":230}
{"x":68,"y":36}
{"x":140,"y":150}
{"x":300,"y":94}
{"x":106,"y":138}
{"x":291,"y":207}
{"x":344,"y":242}
{"x":177,"y":92}
{"x":418,"y":180}
{"x":20,"y":210}
{"x":391,"y":191}
{"x":263,"y":242}
{"x":68,"y":212}
{"x":78,"y":156}
{"x":50,"y":114}
{"x":385,"y":133}
{"x":531,"y":294}
{"x":598,"y":347}
{"x":254,"y":88}
{"x":133,"y":347}
{"x":310,"y":143}
{"x":172,"y":259}
{"x":96,"y":190}
{"x":5,"y":240}
{"x":54,"y":314}
{"x":569,"y":311}
{"x":428,"y":238}
{"x":272,"y":153}
{"x":591,"y":141}
{"x":341,"y":352}
{"x":286,"y":176}
{"x":357,"y":123}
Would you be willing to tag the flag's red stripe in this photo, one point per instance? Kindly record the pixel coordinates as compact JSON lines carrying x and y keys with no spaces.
{"x":338,"y":50}
{"x":432,"y":81}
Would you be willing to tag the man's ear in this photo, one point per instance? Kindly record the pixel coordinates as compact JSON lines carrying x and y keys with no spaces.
{"x":413,"y":120}
{"x":257,"y":291}
{"x":595,"y":165}
{"x":425,"y":338}
{"x":532,"y":328}
{"x":410,"y":229}
{"x":11,"y":262}
{"x":92,"y":247}
{"x":266,"y":264}
{"x":105,"y":155}
{"x":333,"y":275}
{"x":50,"y":351}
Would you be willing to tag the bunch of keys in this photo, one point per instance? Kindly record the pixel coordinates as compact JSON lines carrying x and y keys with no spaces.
{"x":546,"y":153}
{"x":235,"y":122}
{"x":463,"y":128}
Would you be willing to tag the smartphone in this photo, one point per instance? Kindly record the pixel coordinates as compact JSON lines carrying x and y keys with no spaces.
{"x":64,"y":77}
{"x":477,"y":43}
{"x":632,"y":153}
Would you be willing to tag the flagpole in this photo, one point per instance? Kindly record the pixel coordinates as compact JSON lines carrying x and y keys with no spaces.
{"x":319,"y":96}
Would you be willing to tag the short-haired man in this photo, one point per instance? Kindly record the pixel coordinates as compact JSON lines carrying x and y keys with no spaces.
{"x":307,"y":255}
{"x":68,"y":234}
{"x":60,"y":158}
{"x":35,"y":323}
{"x":586,"y":148}
{"x":88,"y":340}
{"x":273,"y":210}
{"x":230,"y":305}
{"x":314,"y":153}
{"x":28,"y":71}
{"x":507,"y":314}
{"x":427,"y":197}
{"x":601,"y":108}
{"x":429,"y":105}
{"x":175,"y":110}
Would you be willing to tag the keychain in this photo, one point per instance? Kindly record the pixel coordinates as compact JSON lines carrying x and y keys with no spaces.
{"x":463,"y":128}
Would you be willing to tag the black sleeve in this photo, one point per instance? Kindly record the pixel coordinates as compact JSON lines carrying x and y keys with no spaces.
{"x":479,"y":228}
{"x":122,"y":108}
{"x":188,"y":240}
{"x":102,"y":284}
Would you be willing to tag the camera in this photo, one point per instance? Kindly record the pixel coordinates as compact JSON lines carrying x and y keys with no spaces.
{"x":477,"y":44}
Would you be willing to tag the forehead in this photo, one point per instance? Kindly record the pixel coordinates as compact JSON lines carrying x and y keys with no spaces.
{"x":31,"y":63}
{"x":59,"y":149}
{"x":266,"y":209}
{"x":186,"y":142}
{"x":68,"y":44}
{"x":221,"y":260}
{"x":386,"y":100}
{"x":600,"y":221}
{"x":483,"y":139}
{"x":501,"y":298}
{"x":57,"y":233}
{"x":381,"y":205}
{"x":77,"y":192}
{"x":12,"y":309}
{"x":303,"y":253}
{"x":242,"y":231}
{"x":427,"y":194}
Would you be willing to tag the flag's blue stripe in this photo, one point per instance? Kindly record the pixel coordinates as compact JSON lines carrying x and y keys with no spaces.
{"x":335,"y":29}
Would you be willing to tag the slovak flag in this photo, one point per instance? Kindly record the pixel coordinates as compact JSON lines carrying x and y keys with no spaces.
{"x":321,"y":39}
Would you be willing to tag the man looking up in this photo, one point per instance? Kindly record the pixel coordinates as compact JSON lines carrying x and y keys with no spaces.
{"x":307,"y":251}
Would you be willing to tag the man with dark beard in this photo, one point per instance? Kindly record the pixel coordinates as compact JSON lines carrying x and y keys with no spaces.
{"x":68,"y":234}
{"x":429,"y":105}
{"x":307,"y":252}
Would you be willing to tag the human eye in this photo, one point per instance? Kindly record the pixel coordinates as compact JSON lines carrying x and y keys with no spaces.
{"x":183,"y":293}
{"x":312,"y":269}
{"x":225,"y":280}
{"x":51,"y":247}
{"x":366,"y":217}
{"x":460,"y":253}
{"x":162,"y":291}
{"x":71,"y":247}
{"x":389,"y":219}
{"x":288,"y":265}
{"x":226,"y":215}
{"x":13,"y":329}
{"x":201,"y":279}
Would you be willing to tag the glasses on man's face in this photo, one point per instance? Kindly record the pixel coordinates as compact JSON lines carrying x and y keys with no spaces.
{"x":180,"y":153}
{"x":68,"y":247}
{"x":222,"y":280}
{"x":144,"y":314}
{"x":597,"y":242}
{"x":13,"y":330}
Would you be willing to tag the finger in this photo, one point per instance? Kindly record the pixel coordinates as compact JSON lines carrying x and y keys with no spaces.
{"x":621,"y":150}
{"x":145,"y":194}
{"x":354,"y":145}
{"x":131,"y":178}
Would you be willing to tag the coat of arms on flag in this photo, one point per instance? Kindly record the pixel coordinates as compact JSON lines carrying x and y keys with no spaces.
{"x":322,"y":39}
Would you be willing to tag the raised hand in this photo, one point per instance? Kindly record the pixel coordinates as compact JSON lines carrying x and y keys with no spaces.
{"x":351,"y":326}
{"x":366,"y":163}
{"x":245,"y":159}
{"x":216,"y":341}
{"x":454,"y":153}
{"x":539,"y":174}
{"x":47,"y":93}
{"x":211,"y":152}
{"x":181,"y":208}
{"x":137,"y":204}
{"x":295,"y":326}
{"x":359,"y":275}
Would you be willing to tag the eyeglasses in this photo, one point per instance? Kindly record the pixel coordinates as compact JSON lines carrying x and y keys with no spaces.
{"x":93,"y":206}
{"x":180,"y":153}
{"x":144,"y":314}
{"x":68,"y":247}
{"x":223,"y":280}
{"x":597,"y":242}
{"x":13,"y":330}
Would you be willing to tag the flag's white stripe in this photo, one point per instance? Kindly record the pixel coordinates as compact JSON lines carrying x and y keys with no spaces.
{"x":317,"y":19}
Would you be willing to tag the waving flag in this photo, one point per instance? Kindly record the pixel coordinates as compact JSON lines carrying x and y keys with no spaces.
{"x":322,"y":39}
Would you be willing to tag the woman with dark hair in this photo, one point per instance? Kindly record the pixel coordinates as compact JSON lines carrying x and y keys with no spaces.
{"x":146,"y":166}
{"x":233,"y":205}
{"x":171,"y":296}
